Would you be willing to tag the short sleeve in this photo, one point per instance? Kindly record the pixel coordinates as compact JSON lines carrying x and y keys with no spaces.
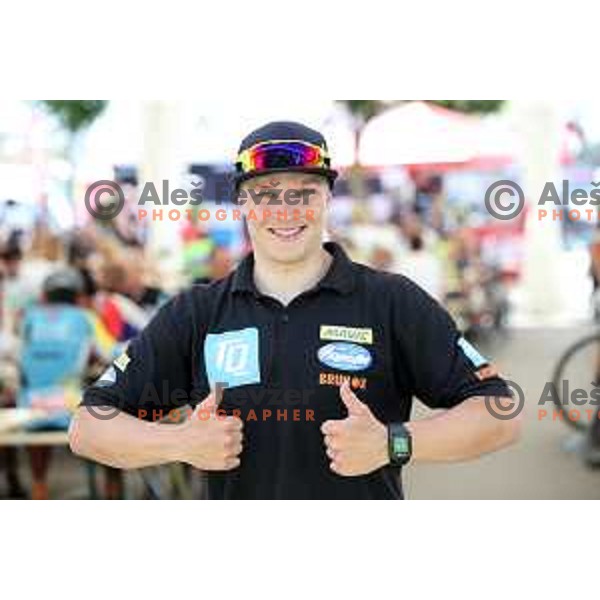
{"x":443,"y":367}
{"x":154,"y":374}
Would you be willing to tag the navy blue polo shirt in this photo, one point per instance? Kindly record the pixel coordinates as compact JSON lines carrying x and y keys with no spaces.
{"x":281,"y":368}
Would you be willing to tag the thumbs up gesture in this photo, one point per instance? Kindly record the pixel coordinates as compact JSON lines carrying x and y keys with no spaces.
{"x":210,"y":441}
{"x":358,"y":444}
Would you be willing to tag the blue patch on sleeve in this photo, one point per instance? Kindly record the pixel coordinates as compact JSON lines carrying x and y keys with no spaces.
{"x":472,"y":353}
{"x":232,"y":357}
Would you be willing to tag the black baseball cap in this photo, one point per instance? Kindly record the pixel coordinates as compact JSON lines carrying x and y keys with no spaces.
{"x":284,"y":130}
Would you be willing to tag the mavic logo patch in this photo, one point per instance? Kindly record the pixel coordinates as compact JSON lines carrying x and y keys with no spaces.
{"x":360,"y":335}
{"x":232,"y":357}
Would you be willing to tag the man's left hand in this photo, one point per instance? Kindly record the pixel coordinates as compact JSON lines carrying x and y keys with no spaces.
{"x":358,"y":444}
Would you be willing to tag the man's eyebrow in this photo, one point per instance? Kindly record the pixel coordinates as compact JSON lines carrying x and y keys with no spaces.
{"x":259,"y":183}
{"x":311,"y":180}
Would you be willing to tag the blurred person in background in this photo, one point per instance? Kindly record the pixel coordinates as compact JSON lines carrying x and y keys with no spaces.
{"x":482,"y":293}
{"x":79,"y":253}
{"x":429,"y":190}
{"x":23,"y":271}
{"x":592,"y":446}
{"x":15,"y":290}
{"x":136,"y":283}
{"x":122,"y":316}
{"x":10,"y":260}
{"x":45,"y":256}
{"x":124,"y":305}
{"x":205,"y":257}
{"x":594,"y":253}
{"x":465,"y":295}
{"x":198,"y":247}
{"x":417,"y":258}
{"x":369,"y":240}
{"x":221,"y":263}
{"x":59,"y":341}
{"x":381,"y":259}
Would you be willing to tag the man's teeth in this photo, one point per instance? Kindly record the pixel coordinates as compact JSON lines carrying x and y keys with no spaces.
{"x":287,"y":231}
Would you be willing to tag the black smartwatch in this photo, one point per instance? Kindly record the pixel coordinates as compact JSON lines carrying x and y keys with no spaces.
{"x":399,"y":444}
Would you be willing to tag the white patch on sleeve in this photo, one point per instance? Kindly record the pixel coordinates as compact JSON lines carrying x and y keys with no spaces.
{"x":108,"y":378}
{"x":477,"y":360}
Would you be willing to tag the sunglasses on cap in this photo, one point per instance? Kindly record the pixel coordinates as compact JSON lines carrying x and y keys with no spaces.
{"x":282,"y":154}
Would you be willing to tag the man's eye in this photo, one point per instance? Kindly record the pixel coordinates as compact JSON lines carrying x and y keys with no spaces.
{"x":309,"y":193}
{"x":268,"y":196}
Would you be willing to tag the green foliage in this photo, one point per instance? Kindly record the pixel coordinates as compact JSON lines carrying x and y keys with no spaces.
{"x":364,"y":110}
{"x":75,"y":115}
{"x":471,"y":106}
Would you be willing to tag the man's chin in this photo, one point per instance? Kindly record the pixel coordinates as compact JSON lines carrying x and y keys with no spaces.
{"x":287,"y":252}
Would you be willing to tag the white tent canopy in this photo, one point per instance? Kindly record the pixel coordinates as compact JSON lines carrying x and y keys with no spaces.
{"x":418,"y":133}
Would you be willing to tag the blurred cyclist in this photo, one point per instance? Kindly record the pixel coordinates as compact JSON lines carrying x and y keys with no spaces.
{"x":12,"y":300}
{"x":60,"y":339}
{"x":592,"y":447}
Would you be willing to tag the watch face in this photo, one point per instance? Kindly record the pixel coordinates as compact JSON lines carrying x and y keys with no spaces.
{"x":400,"y":446}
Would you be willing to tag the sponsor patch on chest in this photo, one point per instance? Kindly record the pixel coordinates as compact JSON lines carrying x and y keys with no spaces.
{"x":361,"y":335}
{"x":232,"y":358}
{"x":344,"y":356}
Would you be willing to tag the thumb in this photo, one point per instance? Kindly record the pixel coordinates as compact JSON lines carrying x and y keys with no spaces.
{"x":208,"y":404}
{"x":211,"y":402}
{"x":354,"y":406}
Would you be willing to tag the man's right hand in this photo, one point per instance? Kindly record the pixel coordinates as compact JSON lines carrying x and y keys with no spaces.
{"x":211,"y":441}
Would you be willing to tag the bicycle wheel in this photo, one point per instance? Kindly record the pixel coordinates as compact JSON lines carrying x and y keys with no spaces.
{"x":576,"y":383}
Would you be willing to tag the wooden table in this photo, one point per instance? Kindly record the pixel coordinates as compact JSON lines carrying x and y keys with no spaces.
{"x":34,"y":438}
{"x":13,"y":422}
{"x":13,"y":432}
{"x":14,"y":418}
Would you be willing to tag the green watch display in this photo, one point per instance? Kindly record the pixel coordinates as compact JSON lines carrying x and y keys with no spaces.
{"x":399,"y":444}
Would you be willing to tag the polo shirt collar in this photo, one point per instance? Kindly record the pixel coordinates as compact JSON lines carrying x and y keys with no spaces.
{"x":340,"y":276}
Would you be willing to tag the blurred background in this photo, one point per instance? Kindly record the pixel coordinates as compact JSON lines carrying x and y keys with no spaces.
{"x":410,"y":200}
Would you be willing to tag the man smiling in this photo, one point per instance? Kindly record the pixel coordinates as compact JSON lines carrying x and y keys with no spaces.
{"x":356,"y":344}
